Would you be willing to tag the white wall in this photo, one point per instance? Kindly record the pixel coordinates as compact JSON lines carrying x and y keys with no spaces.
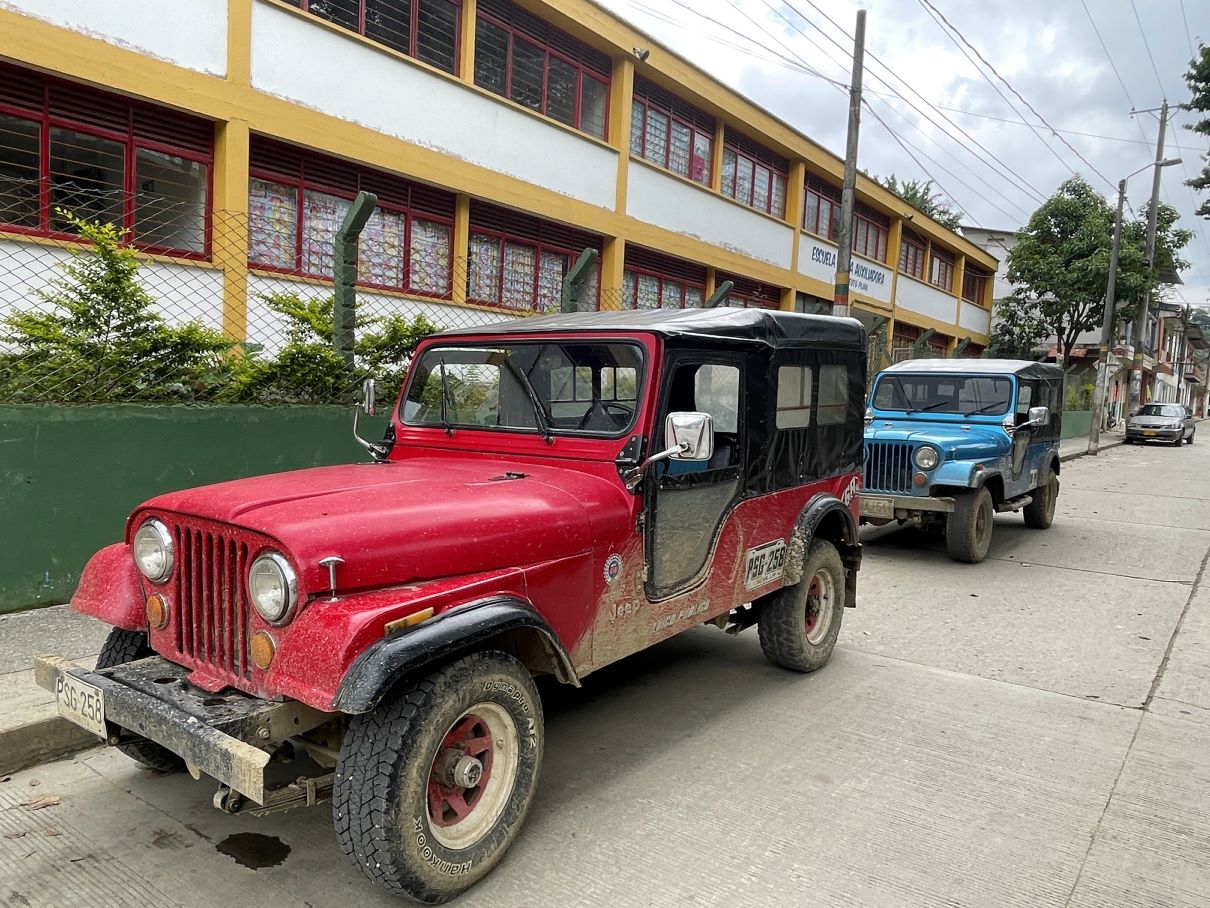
{"x":817,"y":259}
{"x":974,"y":318}
{"x":189,"y":33}
{"x":920,"y":297}
{"x":339,"y":75}
{"x":677,"y":205}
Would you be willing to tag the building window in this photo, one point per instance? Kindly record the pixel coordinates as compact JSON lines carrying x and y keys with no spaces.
{"x":529,"y":61}
{"x":821,"y":214}
{"x":654,"y":281}
{"x":425,"y":29}
{"x":670,"y":133}
{"x":913,"y":250}
{"x":974,"y":286}
{"x":793,"y":397}
{"x":746,"y":293}
{"x":870,"y":231}
{"x":518,"y":262}
{"x":297,"y":201}
{"x":754,"y":175}
{"x":105,"y":158}
{"x":941,"y":270}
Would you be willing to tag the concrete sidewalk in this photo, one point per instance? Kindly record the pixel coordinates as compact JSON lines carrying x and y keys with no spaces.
{"x":1071,"y":448}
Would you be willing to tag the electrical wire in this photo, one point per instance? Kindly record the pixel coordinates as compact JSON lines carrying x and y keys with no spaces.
{"x":1147,"y":45}
{"x":1188,"y":36}
{"x":1069,"y":132}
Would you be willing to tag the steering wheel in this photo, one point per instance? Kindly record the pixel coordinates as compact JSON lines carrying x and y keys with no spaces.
{"x":603,"y":406}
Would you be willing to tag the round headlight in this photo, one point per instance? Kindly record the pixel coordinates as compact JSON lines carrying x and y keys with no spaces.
{"x":272,"y":586}
{"x":926,"y":457}
{"x":152,"y":548}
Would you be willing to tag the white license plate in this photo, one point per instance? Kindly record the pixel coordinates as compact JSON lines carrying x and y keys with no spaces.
{"x":876,"y":506}
{"x":81,"y":703}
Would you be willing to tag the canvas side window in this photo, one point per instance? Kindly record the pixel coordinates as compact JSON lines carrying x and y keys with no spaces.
{"x":833,"y":395}
{"x":1025,"y":397}
{"x":794,"y":397}
{"x":716,"y":391}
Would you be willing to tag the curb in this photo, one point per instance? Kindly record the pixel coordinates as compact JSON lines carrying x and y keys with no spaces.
{"x":1105,"y":445}
{"x":41,"y":740}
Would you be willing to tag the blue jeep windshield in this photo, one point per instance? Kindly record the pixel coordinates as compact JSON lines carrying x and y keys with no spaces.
{"x":969,"y":395}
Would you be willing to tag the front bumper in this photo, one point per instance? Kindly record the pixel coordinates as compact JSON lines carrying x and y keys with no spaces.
{"x":876,"y":506}
{"x":1154,"y":434}
{"x":213,"y":733}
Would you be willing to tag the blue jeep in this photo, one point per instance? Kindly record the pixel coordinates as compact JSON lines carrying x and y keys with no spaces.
{"x":949,"y":442}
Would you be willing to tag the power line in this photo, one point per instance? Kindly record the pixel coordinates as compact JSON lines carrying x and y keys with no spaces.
{"x":1188,"y":36}
{"x":1146,"y":44}
{"x":1032,"y":110}
{"x":1069,"y":132}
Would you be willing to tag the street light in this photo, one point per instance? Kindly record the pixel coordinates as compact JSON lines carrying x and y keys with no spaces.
{"x":1098,"y":398}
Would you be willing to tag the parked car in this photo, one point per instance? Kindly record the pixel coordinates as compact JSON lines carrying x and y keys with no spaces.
{"x":1161,"y":422}
{"x":553,"y":494}
{"x":950,"y":442}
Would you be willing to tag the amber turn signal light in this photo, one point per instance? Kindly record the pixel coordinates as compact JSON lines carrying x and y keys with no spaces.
{"x":409,"y":620}
{"x":157,"y":611}
{"x":262,"y":649}
{"x":920,"y":479}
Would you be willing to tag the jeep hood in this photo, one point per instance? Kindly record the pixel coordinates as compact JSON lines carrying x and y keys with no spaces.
{"x":978,"y":442}
{"x":405,"y":521}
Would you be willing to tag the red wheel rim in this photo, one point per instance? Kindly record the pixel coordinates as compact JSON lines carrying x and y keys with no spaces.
{"x":449,"y":805}
{"x":813,"y":592}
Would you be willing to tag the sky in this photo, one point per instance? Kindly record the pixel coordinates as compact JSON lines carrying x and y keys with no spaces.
{"x":995,"y":158}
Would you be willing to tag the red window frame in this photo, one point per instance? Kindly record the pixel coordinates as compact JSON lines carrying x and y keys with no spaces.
{"x":751,"y":294}
{"x":649,"y":97}
{"x":302,"y":182}
{"x":913,"y":251}
{"x":825,"y":196}
{"x":941,"y":269}
{"x":413,"y":29}
{"x":35,"y":99}
{"x":758,"y":157}
{"x":524,"y":230}
{"x":514,"y":22}
{"x":871,"y":232}
{"x":664,"y":270}
{"x":974,"y":286}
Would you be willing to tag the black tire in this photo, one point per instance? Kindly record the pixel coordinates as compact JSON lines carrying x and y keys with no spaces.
{"x":1179,"y":439}
{"x":1191,"y":437}
{"x":381,"y":802}
{"x":1128,"y":441}
{"x":122,"y":646}
{"x":968,"y":533}
{"x":798,"y":626}
{"x":1040,"y":513}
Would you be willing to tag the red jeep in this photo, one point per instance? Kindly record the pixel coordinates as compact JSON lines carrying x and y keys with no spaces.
{"x":553,"y":494}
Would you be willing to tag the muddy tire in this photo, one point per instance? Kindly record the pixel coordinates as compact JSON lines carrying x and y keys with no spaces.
{"x":122,"y":646}
{"x":1040,"y":513}
{"x":799,"y":624}
{"x":432,"y":786}
{"x":968,"y":534}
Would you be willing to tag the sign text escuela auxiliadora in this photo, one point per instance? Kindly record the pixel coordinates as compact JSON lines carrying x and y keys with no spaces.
{"x":858,"y":270}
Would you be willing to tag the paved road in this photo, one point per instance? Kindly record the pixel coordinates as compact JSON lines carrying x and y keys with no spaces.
{"x":1032,"y":731}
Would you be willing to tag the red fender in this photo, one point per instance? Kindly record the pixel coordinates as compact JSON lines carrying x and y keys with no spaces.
{"x":111,"y":589}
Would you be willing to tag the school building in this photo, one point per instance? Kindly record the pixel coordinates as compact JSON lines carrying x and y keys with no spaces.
{"x":501,"y":138}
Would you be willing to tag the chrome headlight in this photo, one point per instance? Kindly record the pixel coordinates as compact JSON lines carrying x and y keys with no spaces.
{"x":152,"y":549}
{"x":272,"y":586}
{"x":926,"y":458}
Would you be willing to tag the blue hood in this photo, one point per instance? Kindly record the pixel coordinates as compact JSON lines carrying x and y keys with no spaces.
{"x":980,"y":442}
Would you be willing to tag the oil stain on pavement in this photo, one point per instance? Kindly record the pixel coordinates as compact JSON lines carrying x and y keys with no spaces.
{"x":254,"y":850}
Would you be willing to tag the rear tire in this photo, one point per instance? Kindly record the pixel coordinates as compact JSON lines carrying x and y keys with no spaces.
{"x":968,"y":534}
{"x":405,"y":811}
{"x":122,"y":646}
{"x":799,"y":624}
{"x":1040,"y":513}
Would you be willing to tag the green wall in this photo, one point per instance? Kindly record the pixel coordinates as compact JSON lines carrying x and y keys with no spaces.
{"x":1076,"y":423}
{"x":70,"y":475}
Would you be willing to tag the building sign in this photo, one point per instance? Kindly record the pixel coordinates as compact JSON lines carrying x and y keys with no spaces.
{"x":818,"y":260}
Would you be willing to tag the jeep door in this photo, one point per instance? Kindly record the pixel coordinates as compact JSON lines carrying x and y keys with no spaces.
{"x":1030,"y":443}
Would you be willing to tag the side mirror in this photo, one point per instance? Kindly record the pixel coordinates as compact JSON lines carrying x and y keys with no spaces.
{"x":369,"y":397}
{"x":692,"y":433}
{"x":1039,"y":416}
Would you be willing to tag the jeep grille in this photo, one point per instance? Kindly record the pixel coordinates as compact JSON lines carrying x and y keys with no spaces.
{"x":888,"y":466}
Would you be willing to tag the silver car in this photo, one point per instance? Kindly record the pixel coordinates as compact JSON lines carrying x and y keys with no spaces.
{"x":1161,"y":422}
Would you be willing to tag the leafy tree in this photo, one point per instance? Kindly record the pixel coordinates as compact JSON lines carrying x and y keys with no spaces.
{"x":307,"y":370}
{"x":101,"y":339}
{"x":1060,"y":265}
{"x":1198,"y":80}
{"x":1017,"y":331}
{"x":920,"y":195}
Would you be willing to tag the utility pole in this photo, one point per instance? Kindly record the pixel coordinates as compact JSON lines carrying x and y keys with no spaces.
{"x":1140,"y":322}
{"x":844,"y":251}
{"x":1101,"y":391}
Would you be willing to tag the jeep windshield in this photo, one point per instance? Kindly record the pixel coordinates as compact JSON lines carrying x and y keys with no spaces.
{"x":533,"y":386}
{"x":967,"y":395}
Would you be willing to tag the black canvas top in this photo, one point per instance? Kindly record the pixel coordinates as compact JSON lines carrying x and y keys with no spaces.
{"x":1022,"y":367}
{"x":764,"y":326}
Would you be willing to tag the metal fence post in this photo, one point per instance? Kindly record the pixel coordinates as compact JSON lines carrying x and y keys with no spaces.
{"x":569,"y":293}
{"x":344,"y":298}
{"x":719,"y":294}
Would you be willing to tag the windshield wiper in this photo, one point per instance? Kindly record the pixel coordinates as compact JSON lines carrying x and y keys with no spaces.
{"x":998,"y":403}
{"x":932,"y":406}
{"x":539,"y":413}
{"x":445,"y":392}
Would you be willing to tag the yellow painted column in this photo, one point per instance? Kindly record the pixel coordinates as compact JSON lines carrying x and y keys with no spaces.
{"x":239,"y":41}
{"x":796,"y":183}
{"x":621,"y":99}
{"x":959,"y":275}
{"x":613,"y":264}
{"x":229,"y":236}
{"x":462,"y":247}
{"x":716,"y":156}
{"x":466,"y":42}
